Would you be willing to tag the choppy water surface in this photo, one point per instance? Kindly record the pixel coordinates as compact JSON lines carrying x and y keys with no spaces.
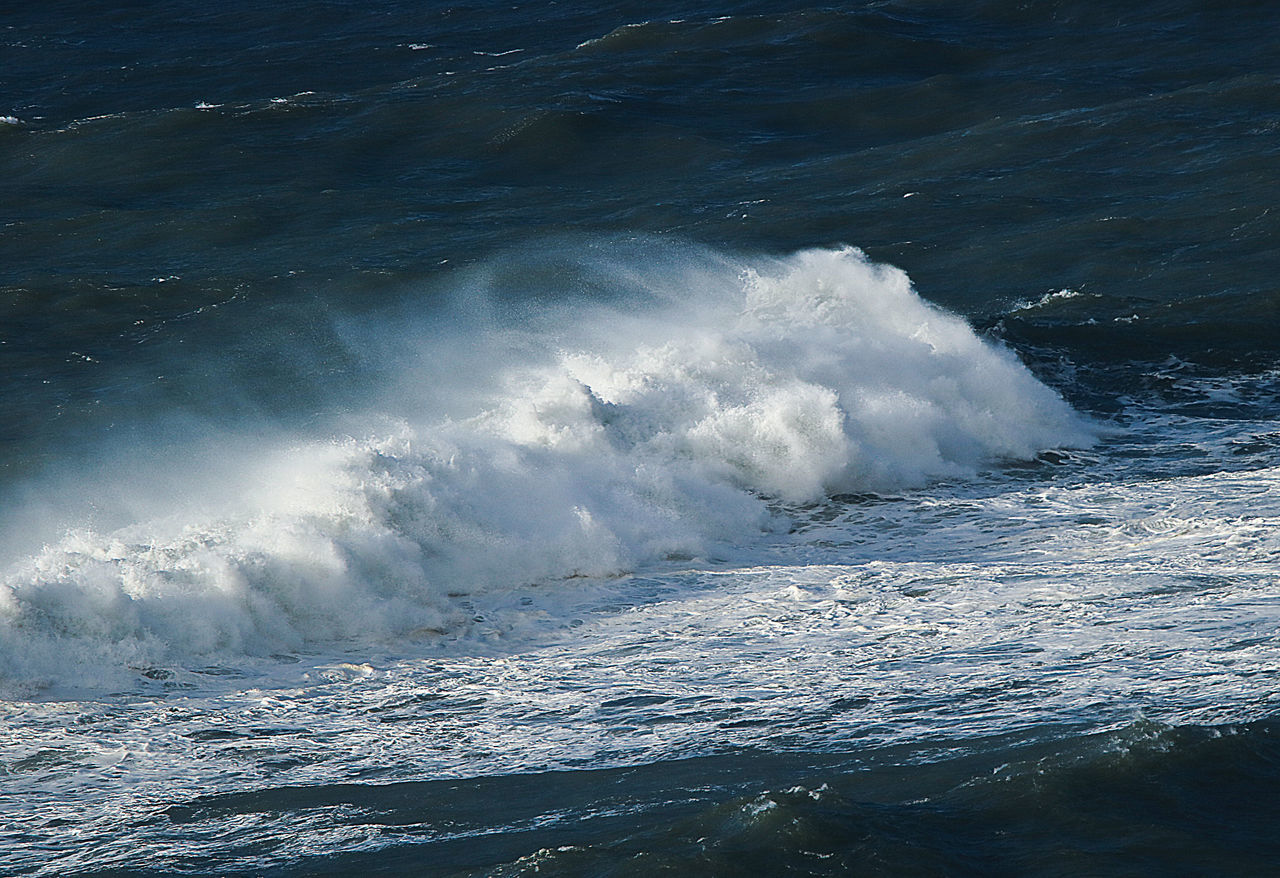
{"x":734,"y":440}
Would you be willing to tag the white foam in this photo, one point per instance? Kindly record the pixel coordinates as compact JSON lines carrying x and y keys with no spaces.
{"x":1047,"y":299}
{"x":598,"y":440}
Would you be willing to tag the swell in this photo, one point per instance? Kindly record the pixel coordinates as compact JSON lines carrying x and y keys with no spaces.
{"x":1165,"y":799}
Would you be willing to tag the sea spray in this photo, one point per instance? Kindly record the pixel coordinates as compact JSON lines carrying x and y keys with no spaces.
{"x":676,"y":409}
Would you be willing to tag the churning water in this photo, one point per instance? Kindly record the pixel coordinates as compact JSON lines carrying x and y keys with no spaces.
{"x":741,"y":439}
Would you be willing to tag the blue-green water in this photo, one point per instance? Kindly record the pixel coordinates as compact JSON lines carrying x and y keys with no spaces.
{"x":625,"y":440}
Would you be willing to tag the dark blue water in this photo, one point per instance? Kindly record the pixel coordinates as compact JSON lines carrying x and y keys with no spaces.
{"x":491,"y":439}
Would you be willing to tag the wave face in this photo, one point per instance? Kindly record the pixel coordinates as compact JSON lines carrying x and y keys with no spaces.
{"x":705,"y":396}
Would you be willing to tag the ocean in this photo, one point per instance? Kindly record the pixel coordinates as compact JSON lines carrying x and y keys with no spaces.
{"x":618,"y":439}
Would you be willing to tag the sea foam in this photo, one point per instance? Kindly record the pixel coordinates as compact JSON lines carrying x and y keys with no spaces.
{"x":674,"y":414}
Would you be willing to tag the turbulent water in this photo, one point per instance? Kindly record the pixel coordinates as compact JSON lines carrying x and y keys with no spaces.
{"x":730,"y":439}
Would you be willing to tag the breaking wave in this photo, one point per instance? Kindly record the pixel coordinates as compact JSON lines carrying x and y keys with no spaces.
{"x":670,"y":412}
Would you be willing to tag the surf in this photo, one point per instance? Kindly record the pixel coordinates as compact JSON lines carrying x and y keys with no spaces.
{"x":572,"y":412}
